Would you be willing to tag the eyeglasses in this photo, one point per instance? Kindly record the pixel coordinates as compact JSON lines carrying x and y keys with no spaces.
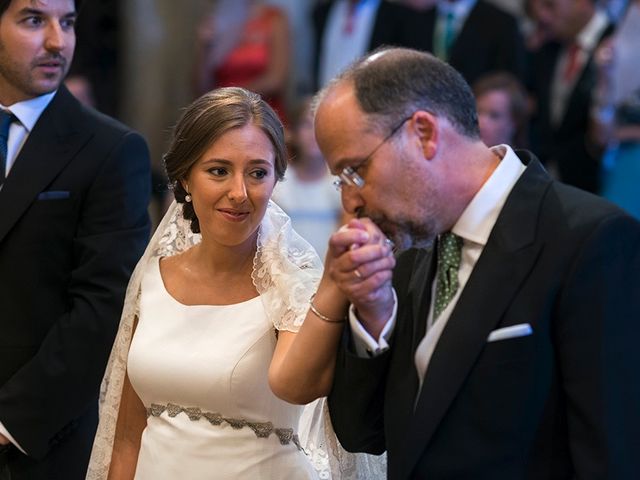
{"x":350,"y":176}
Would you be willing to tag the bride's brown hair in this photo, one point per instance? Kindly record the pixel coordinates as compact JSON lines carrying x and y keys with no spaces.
{"x":207,"y":119}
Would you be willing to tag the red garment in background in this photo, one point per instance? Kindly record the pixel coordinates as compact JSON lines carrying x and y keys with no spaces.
{"x":250,"y":58}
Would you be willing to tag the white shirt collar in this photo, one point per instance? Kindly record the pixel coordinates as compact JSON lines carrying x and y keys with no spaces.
{"x":477,"y":220}
{"x":588,"y":37}
{"x":29,"y":111}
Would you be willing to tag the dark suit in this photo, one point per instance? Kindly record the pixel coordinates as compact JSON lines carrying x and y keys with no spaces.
{"x":489,"y":41}
{"x":73,"y":223}
{"x":561,"y":403}
{"x":392,"y":26}
{"x":567,"y":144}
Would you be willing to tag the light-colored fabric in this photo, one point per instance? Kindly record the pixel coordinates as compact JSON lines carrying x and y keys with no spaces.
{"x":340,"y":45}
{"x":215,"y":358}
{"x":286,"y":272}
{"x":364,"y":343}
{"x":626,"y":75}
{"x":314,"y":208}
{"x":586,"y":42}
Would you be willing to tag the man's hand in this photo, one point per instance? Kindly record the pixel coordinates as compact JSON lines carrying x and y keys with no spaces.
{"x":4,"y":440}
{"x":360,"y":262}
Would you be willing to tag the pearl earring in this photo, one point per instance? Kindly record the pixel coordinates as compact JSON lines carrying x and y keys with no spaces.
{"x":187,"y":198}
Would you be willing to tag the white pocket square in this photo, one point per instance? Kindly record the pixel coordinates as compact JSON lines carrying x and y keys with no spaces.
{"x":520,"y":330}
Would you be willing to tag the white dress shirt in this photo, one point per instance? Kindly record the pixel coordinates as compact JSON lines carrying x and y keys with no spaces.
{"x":474,"y":227}
{"x":341,"y":45}
{"x":587,"y":41}
{"x":27,"y":112}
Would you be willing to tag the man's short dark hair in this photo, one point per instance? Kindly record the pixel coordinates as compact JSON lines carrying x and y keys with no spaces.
{"x":392,"y":83}
{"x":4,"y":5}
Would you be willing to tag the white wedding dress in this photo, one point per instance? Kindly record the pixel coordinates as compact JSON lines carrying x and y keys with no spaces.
{"x":201,"y":372}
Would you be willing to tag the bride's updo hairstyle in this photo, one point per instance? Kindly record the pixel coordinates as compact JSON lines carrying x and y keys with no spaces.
{"x":205,"y":121}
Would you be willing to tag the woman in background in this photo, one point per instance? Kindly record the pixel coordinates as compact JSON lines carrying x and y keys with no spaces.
{"x":503,"y":110}
{"x":307,"y":193}
{"x":244,"y":43}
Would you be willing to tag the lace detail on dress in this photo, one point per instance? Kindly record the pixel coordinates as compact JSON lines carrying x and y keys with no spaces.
{"x":327,"y":456}
{"x":286,"y":270}
{"x":261,"y":429}
{"x":177,"y":236}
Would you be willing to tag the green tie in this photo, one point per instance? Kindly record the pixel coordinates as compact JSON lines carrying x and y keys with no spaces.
{"x":444,"y":37}
{"x":449,"y":254}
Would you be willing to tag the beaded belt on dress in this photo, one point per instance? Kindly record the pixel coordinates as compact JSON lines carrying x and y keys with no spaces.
{"x":261,"y":429}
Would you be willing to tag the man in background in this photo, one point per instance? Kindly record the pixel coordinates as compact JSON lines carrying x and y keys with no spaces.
{"x":563,"y":80}
{"x":74,"y":188}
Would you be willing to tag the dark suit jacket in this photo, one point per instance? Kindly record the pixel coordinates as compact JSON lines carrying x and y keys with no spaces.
{"x":73,"y":223}
{"x":489,"y":41}
{"x":566,"y":145}
{"x":392,"y":26}
{"x":561,"y":403}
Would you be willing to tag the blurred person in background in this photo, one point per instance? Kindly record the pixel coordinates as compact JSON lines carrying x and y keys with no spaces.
{"x":307,"y":192}
{"x":474,"y":36}
{"x":74,"y":190}
{"x":347,"y":29}
{"x":563,"y":79}
{"x":244,"y":43}
{"x":616,"y":112}
{"x":503,"y":110}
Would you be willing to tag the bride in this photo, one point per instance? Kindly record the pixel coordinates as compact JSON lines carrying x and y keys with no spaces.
{"x":218,"y":316}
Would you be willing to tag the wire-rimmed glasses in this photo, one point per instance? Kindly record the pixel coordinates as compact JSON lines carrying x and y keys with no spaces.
{"x":350,"y":176}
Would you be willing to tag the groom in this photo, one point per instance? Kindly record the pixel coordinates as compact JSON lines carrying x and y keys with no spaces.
{"x":509,"y":349}
{"x":74,"y":187}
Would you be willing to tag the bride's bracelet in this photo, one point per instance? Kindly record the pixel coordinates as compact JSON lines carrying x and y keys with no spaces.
{"x":317,"y":313}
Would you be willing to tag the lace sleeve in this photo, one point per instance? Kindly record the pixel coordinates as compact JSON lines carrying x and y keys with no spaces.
{"x":286,"y":270}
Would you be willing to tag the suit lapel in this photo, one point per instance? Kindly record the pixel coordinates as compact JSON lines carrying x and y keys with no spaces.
{"x":414,"y":299}
{"x":51,"y":144}
{"x":506,"y":261}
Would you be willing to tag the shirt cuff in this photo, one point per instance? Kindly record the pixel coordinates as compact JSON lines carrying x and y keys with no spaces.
{"x":365,"y":345}
{"x":4,"y":432}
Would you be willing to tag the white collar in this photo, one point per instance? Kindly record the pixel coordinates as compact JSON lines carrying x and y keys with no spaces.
{"x":588,"y":37}
{"x":29,"y":111}
{"x":477,"y":220}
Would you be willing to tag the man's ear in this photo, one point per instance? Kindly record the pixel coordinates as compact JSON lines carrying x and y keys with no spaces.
{"x":426,"y":127}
